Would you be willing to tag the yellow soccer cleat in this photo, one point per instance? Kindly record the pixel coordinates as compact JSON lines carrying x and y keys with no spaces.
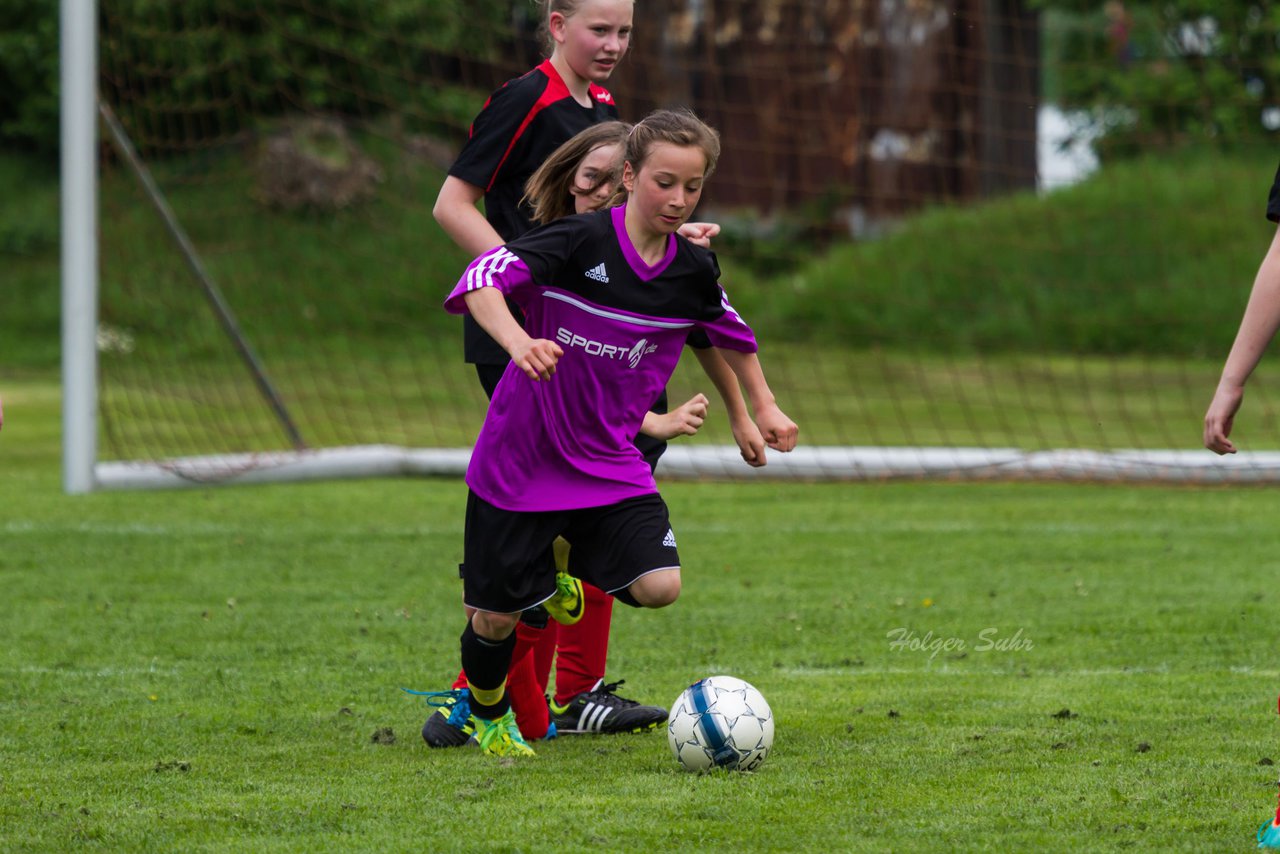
{"x":501,"y":737}
{"x":568,"y":604}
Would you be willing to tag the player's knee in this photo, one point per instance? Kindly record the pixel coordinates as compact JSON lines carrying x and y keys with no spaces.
{"x":493,"y":626}
{"x":657,"y":589}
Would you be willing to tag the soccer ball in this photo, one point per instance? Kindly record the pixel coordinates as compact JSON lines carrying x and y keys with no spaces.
{"x":720,"y":722}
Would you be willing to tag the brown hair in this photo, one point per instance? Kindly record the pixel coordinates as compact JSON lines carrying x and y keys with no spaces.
{"x":550,"y":190}
{"x":677,"y":127}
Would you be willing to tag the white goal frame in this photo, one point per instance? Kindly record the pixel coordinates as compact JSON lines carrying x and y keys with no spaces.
{"x":78,"y":55}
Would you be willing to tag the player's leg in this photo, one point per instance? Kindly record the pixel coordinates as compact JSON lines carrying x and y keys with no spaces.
{"x":583,"y":648}
{"x":451,"y":725}
{"x":508,"y":572}
{"x":526,"y":692}
{"x":544,"y":655}
{"x":487,"y":643}
{"x":615,"y":548}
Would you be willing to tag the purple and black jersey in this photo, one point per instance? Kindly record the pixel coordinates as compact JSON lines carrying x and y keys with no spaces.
{"x":519,"y":127}
{"x":1273,"y":201}
{"x":568,"y":443}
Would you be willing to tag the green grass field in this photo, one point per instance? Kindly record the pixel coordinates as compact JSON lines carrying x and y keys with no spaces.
{"x":206,"y":670}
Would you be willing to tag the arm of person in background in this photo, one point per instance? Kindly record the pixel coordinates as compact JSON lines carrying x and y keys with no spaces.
{"x":1257,"y":328}
{"x":684,"y":420}
{"x":745,"y":432}
{"x":778,"y":430}
{"x":699,"y":233}
{"x":456,"y":211}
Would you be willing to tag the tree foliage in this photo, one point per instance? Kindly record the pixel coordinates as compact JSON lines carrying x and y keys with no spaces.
{"x":1158,"y":74}
{"x":195,"y":70}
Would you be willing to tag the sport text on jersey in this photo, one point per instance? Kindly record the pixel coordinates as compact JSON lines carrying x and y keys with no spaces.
{"x":632,"y":355}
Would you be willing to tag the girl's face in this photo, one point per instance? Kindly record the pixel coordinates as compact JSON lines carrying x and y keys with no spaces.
{"x":594,"y":39}
{"x":667,"y":188}
{"x":599,"y":161}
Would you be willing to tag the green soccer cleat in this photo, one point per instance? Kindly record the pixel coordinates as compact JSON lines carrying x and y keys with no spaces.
{"x":502,"y":737}
{"x":568,"y":604}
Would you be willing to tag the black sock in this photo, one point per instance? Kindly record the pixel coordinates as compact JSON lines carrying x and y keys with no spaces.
{"x":486,"y":663}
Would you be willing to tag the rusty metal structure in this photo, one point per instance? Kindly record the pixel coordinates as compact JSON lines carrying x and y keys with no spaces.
{"x":867,"y":108}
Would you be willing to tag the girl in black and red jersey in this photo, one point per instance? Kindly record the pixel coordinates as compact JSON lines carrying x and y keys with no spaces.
{"x":521,"y":124}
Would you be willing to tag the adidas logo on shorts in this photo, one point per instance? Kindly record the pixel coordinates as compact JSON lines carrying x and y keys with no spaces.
{"x":599,"y":273}
{"x":670,"y":539}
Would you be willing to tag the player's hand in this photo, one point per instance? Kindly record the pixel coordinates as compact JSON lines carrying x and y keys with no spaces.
{"x":684,"y":420}
{"x":778,"y":430}
{"x":1221,"y":417}
{"x":699,"y":233}
{"x":537,"y":357}
{"x":750,"y":442}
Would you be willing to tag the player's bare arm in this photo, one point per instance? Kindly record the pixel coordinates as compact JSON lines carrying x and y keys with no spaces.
{"x":684,"y":420}
{"x":537,"y":357}
{"x":1257,"y":328}
{"x":778,"y":430}
{"x":699,"y":233}
{"x":456,"y":211}
{"x":745,"y":433}
{"x":749,"y":440}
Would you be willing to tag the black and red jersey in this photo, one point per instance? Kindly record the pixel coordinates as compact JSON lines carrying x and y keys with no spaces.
{"x":520,"y":125}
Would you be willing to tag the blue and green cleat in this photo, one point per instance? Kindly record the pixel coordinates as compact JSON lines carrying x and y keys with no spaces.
{"x":451,"y":724}
{"x":1269,"y":833}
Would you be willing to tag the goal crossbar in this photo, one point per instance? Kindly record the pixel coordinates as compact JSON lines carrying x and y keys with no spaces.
{"x":719,"y":462}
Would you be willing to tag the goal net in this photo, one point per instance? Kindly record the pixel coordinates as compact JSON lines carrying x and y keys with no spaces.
{"x":958,"y":261}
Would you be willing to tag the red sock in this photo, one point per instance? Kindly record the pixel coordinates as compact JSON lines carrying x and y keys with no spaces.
{"x":526,"y":697}
{"x":544,"y":654}
{"x":582,"y":648}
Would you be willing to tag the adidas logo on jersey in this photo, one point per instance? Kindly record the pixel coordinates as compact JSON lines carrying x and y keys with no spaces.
{"x":599,"y":273}
{"x":670,"y":539}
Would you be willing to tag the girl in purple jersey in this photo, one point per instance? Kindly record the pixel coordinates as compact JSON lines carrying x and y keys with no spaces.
{"x":585,"y":175}
{"x":582,"y":176}
{"x":520,"y":125}
{"x":609,"y":299}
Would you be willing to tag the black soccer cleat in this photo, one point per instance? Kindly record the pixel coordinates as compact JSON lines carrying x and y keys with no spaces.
{"x":600,"y":710}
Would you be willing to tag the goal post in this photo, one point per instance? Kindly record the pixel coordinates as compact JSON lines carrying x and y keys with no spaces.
{"x":78,"y":56}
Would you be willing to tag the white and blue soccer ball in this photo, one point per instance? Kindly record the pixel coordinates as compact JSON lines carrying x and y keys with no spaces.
{"x":720,"y":722}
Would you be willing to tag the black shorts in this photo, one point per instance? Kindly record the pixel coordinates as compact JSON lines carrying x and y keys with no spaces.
{"x":612,"y":547}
